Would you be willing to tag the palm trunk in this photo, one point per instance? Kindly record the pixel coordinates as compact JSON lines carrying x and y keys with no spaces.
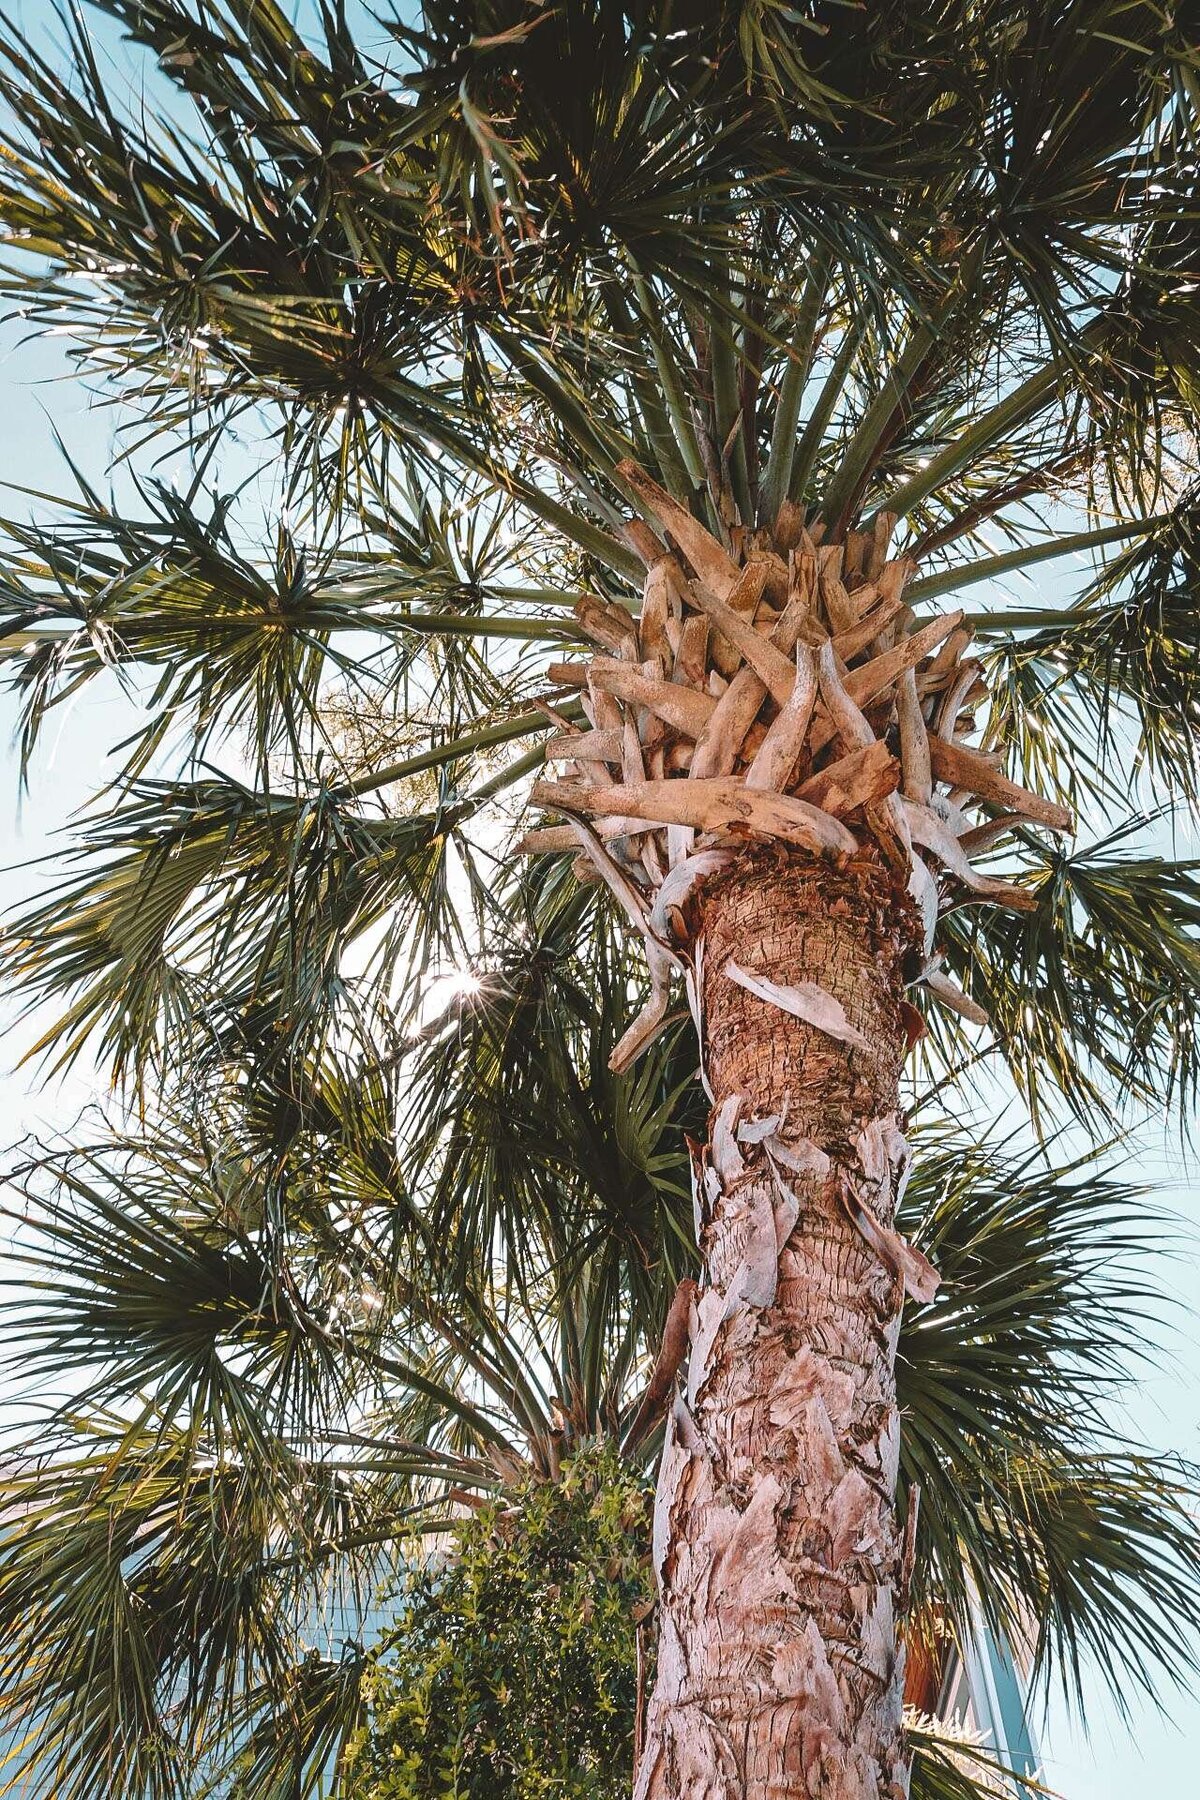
{"x":778,"y":1552}
{"x":795,"y":706}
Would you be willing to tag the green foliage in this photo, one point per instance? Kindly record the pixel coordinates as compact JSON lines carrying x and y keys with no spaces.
{"x":1120,"y":662}
{"x":215,"y":906}
{"x":945,"y":1767}
{"x":1032,"y":1506}
{"x":1092,"y":992}
{"x":510,"y":1671}
{"x":517,"y":1117}
{"x":284,"y":1355}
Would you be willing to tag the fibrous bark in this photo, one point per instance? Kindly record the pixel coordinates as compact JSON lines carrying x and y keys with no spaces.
{"x":778,"y":1553}
{"x":775,"y":788}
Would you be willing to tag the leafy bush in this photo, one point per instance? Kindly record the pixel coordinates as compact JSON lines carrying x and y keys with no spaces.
{"x":510,"y":1670}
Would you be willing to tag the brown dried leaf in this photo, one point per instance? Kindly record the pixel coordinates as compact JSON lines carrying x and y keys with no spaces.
{"x":881,"y":537}
{"x":983,"y":837}
{"x":719,"y":744}
{"x":757,"y":1278}
{"x":924,"y":890}
{"x":691,"y":658}
{"x":682,"y":708}
{"x":676,"y":1331}
{"x":668,"y":914}
{"x":856,"y":780}
{"x":943,"y":988}
{"x":852,"y":726}
{"x":642,"y":541}
{"x":711,"y":1313}
{"x":914,"y":740}
{"x":754,"y":1131}
{"x":913,"y":1022}
{"x":605,"y":623}
{"x":871,"y":679}
{"x":727,"y":1159}
{"x":649,"y":1022}
{"x":670,"y":1472}
{"x":786,"y":1211}
{"x":962,"y":767}
{"x":656,"y":610}
{"x":857,"y":638}
{"x":776,"y":756}
{"x":932,"y":834}
{"x":802,"y":1158}
{"x":921,"y":1279}
{"x":584,"y":746}
{"x":771,"y":665}
{"x":710,"y":560}
{"x":873,"y":1157}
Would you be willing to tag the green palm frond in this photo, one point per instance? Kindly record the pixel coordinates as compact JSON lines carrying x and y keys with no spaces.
{"x":258,"y":1280}
{"x":1029,"y":1505}
{"x":345,"y":1380}
{"x":521,"y":1124}
{"x":427,"y":236}
{"x":946,"y":1767}
{"x":288,"y":1735}
{"x":264,"y":1398}
{"x":1000,"y":286}
{"x":222,"y":642}
{"x":145,"y":1265}
{"x":1092,"y":992}
{"x":210,"y":908}
{"x":179,"y":1568}
{"x":1122,"y":659}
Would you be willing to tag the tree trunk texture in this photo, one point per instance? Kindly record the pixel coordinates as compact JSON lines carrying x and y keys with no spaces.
{"x":739,"y":791}
{"x":779,"y":1557}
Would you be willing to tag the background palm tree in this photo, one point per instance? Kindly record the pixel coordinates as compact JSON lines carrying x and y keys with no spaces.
{"x":653,"y":329}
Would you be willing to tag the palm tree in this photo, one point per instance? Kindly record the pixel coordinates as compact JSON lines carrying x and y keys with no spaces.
{"x":714,"y":343}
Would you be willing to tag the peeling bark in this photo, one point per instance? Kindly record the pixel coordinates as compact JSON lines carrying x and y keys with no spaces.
{"x":751,"y":817}
{"x":778,"y":1553}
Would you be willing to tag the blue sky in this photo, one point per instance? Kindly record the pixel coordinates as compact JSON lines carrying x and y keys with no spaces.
{"x":38,"y":393}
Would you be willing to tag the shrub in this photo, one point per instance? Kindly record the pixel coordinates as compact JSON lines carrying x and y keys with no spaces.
{"x":509,"y":1671}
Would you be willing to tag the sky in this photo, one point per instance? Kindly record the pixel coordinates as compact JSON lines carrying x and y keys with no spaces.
{"x":1152,"y":1751}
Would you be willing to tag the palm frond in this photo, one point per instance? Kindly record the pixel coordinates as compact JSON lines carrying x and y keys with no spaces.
{"x":1092,"y":991}
{"x":208,"y":908}
{"x":1122,"y":662}
{"x":247,"y":1302}
{"x":1029,"y":1505}
{"x":932,"y":262}
{"x":289,"y":1735}
{"x":950,"y":1767}
{"x":525,"y":1131}
{"x":130,"y":1540}
{"x":450,"y":241}
{"x":214,"y":641}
